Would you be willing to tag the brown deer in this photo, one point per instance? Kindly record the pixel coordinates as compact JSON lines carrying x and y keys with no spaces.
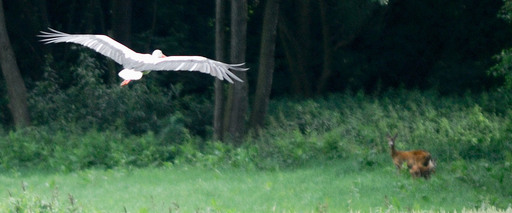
{"x":419,"y":162}
{"x":420,"y":170}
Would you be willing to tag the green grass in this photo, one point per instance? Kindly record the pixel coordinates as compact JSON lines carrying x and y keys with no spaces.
{"x":331,"y":186}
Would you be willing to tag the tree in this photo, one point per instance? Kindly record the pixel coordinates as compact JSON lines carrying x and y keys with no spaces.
{"x":220,"y":40}
{"x":296,"y":20}
{"x":237,"y":103}
{"x":121,"y":29}
{"x":15,"y":86}
{"x":356,"y":15}
{"x":266,"y":66}
{"x":121,"y":21}
{"x":503,"y":67}
{"x":327,"y":49}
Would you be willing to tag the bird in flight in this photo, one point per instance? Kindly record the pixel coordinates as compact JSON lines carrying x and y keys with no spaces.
{"x":136,"y":64}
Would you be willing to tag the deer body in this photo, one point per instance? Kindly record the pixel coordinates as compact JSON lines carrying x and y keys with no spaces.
{"x":419,"y":162}
{"x":420,"y":170}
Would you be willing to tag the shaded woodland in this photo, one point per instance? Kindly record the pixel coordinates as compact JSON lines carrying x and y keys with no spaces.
{"x":294,"y":49}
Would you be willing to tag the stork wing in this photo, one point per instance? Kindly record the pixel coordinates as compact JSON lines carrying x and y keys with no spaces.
{"x":100,"y":43}
{"x":192,"y":63}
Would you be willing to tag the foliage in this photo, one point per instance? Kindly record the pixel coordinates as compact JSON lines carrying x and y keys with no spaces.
{"x":468,"y":127}
{"x":503,"y":67}
{"x":78,"y":99}
{"x":87,"y":102}
{"x":339,"y":126}
{"x":43,"y":148}
{"x":506,"y":11}
{"x":28,"y":201}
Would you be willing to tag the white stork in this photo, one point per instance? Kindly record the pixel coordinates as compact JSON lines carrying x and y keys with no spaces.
{"x":135,"y":64}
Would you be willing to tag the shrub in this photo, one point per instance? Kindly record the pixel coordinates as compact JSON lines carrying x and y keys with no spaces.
{"x":48,"y":149}
{"x":339,"y":126}
{"x":85,"y":102}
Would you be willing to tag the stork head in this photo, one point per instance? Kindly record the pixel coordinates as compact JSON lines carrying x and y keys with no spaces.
{"x":158,"y":53}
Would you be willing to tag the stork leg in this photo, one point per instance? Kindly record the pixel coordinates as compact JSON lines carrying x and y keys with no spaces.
{"x":125,"y":82}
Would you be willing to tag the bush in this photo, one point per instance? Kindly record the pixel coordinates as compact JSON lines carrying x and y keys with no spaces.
{"x":459,"y":127}
{"x":67,"y":151}
{"x":85,"y":102}
{"x":339,"y":126}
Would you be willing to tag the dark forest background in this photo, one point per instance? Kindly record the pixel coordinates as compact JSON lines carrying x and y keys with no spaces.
{"x":321,"y":47}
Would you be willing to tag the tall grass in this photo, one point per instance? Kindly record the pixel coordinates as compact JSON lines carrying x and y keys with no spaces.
{"x":330,"y":186}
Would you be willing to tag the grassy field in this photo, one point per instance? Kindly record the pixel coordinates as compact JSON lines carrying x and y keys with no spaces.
{"x":333,"y":186}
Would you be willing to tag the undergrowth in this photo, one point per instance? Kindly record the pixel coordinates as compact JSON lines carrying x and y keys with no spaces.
{"x":27,"y":201}
{"x":471,"y":127}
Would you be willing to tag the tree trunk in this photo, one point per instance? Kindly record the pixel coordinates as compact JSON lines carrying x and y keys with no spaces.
{"x":297,"y":49}
{"x":266,"y":67}
{"x":71,"y":16}
{"x":97,"y":17}
{"x":220,"y":55}
{"x":43,"y":12}
{"x":327,"y":49}
{"x":122,"y":21}
{"x":358,"y":15}
{"x":290,"y":54}
{"x":305,"y":41}
{"x":149,"y":43}
{"x":237,"y":105}
{"x":121,"y":30}
{"x":15,"y":86}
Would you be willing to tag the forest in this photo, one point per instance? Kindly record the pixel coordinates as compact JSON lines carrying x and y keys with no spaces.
{"x":327,"y":81}
{"x":319,"y":47}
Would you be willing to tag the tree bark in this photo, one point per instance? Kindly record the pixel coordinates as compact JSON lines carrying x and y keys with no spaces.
{"x":266,"y":67}
{"x":237,"y":105}
{"x":305,"y":40}
{"x":220,"y":52}
{"x":153,"y":27}
{"x":121,"y":30}
{"x":297,"y":49}
{"x":43,"y":12}
{"x":327,"y":49}
{"x":122,"y":21}
{"x":98,"y":17}
{"x":358,"y":15}
{"x":16,"y":90}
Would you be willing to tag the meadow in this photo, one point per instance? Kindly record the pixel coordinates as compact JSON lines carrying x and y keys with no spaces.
{"x":322,"y":187}
{"x":327,"y":154}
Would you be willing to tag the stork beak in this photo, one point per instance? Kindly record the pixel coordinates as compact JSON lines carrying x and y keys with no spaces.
{"x":125,"y":82}
{"x":163,"y":56}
